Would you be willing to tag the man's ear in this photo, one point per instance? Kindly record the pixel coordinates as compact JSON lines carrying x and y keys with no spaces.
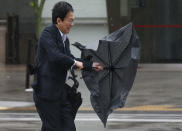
{"x":59,"y":21}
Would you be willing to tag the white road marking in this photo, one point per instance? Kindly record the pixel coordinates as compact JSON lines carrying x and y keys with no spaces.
{"x":91,"y":117}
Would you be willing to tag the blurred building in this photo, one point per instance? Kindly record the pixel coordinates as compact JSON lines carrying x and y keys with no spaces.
{"x":90,"y":22}
{"x":17,"y":26}
{"x":158,"y":24}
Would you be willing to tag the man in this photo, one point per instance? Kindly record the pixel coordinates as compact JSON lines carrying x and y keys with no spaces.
{"x":53,"y":61}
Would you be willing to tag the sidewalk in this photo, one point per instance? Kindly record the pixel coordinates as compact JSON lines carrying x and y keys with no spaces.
{"x":157,"y":87}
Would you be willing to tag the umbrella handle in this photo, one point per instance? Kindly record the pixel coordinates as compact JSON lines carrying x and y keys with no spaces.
{"x":73,"y":78}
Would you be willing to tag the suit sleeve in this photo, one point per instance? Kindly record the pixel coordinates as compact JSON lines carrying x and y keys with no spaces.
{"x":54,"y":54}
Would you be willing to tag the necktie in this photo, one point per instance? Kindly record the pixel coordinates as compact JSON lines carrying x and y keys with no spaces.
{"x":64,"y":40}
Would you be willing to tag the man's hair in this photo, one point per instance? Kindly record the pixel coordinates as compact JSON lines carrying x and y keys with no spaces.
{"x":60,"y":10}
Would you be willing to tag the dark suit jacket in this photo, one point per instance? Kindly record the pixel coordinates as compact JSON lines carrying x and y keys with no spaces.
{"x":53,"y":60}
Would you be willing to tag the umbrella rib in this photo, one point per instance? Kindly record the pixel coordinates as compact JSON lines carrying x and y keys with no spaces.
{"x":104,"y":76}
{"x":98,"y":57}
{"x":117,"y":60}
{"x":109,"y":55}
{"x":118,"y":67}
{"x":117,"y":75}
{"x":110,"y":72}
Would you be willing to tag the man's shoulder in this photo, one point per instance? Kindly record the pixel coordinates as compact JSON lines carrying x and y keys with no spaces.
{"x":50,"y":28}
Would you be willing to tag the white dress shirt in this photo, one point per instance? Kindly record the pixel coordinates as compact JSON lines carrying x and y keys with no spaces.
{"x":64,"y":39}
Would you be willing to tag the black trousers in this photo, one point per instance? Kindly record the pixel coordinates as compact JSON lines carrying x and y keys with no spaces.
{"x":55,"y":115}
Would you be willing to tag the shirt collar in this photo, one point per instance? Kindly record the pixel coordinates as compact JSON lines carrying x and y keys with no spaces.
{"x":63,"y":36}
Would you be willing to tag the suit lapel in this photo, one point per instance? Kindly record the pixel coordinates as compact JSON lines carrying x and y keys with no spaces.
{"x":60,"y":40}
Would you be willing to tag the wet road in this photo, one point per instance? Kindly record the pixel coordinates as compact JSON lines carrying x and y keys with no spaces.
{"x":154,"y":103}
{"x":90,"y":122}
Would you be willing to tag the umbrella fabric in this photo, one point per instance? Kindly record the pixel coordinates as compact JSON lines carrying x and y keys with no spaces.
{"x":119,"y":54}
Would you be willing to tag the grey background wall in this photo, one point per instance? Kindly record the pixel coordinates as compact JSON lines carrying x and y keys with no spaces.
{"x":22,"y":9}
{"x":26,"y":23}
{"x":92,"y":23}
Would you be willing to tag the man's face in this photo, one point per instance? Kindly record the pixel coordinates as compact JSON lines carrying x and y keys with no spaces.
{"x":65,"y":25}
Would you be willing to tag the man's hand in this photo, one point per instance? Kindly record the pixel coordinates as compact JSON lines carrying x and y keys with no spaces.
{"x":79,"y":65}
{"x":97,"y":66}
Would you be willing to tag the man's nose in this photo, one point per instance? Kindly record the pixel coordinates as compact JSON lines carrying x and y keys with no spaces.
{"x":72,"y":24}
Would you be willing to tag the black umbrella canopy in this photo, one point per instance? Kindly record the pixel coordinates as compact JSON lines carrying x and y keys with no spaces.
{"x":119,"y":54}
